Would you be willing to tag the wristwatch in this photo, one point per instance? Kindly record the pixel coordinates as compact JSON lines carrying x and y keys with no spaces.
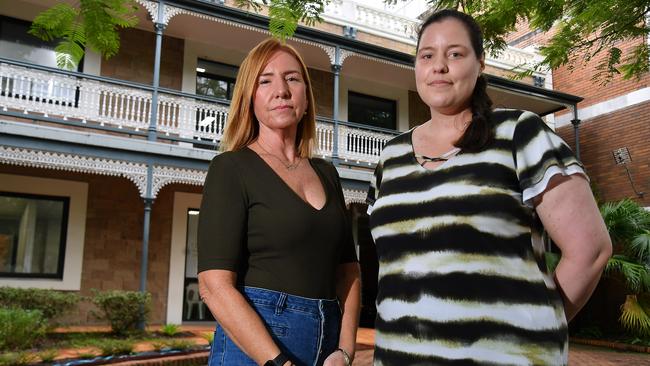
{"x":279,"y":360}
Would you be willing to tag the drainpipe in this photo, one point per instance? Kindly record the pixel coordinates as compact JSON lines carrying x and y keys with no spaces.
{"x":576,"y":130}
{"x":151,"y":136}
{"x":160,"y":27}
{"x":336,"y":69}
{"x":148,"y":202}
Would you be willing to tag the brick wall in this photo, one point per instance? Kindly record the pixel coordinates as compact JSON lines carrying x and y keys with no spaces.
{"x":135,"y":60}
{"x":323,"y":87}
{"x":579,"y":80}
{"x":113,"y":242}
{"x":418,"y":111}
{"x":600,"y":136}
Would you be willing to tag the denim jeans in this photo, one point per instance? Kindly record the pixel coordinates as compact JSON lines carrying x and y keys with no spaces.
{"x":306,"y":330}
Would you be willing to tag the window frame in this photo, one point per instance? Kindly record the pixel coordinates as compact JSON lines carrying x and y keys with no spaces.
{"x":373,"y":97}
{"x":62,"y":238}
{"x":77,"y":191}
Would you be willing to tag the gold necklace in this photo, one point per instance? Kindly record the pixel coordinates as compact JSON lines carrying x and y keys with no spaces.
{"x":289,"y":166}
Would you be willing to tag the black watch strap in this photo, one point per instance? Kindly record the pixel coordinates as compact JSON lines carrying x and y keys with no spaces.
{"x":279,"y":360}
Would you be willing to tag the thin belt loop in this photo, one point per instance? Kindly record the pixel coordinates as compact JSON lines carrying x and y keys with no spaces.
{"x":282,"y":301}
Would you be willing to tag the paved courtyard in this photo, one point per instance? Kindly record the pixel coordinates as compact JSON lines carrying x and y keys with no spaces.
{"x":579,"y":355}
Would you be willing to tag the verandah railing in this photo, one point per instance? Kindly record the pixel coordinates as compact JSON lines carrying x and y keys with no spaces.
{"x":94,"y":100}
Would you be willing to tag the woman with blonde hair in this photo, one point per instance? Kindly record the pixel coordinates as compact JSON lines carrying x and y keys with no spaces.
{"x":277,"y":265}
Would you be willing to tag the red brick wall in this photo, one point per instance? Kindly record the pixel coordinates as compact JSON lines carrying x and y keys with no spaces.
{"x":113,"y":241}
{"x":135,"y":60}
{"x":600,"y":136}
{"x":579,"y":80}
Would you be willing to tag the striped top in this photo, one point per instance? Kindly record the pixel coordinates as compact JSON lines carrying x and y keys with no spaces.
{"x":461,"y":274}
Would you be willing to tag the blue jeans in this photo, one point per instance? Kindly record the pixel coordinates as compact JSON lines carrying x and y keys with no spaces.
{"x":306,"y":330}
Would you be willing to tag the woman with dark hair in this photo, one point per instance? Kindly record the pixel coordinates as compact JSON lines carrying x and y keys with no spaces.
{"x":457,"y":208}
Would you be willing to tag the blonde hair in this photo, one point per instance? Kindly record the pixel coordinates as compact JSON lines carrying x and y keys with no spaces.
{"x":242,"y":127}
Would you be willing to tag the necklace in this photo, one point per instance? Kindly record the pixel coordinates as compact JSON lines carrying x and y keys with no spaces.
{"x":443,"y":157}
{"x":289,"y":166}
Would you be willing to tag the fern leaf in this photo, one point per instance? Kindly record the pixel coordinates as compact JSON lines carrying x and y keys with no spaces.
{"x":68,"y":54}
{"x":284,"y":19}
{"x":54,"y":22}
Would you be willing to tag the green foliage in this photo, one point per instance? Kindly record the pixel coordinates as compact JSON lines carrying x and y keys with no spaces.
{"x":635,"y":275}
{"x":586,"y":28}
{"x":52,"y":304}
{"x":552,"y":260}
{"x":122,"y":308}
{"x":625,"y":220}
{"x":19,"y":328}
{"x":17,"y":359}
{"x":170,"y":330}
{"x":208,"y":336}
{"x":47,"y":356}
{"x":93,"y":24}
{"x":110,"y":347}
{"x":628,"y":225}
{"x":180,"y":344}
{"x":285,"y":14}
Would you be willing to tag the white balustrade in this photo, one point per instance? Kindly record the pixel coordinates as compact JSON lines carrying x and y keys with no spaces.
{"x":91,"y":101}
{"x":374,"y":20}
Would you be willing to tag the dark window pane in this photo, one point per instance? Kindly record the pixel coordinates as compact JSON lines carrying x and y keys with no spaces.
{"x":372,"y":111}
{"x":215,"y":79}
{"x":211,"y":87}
{"x":17,"y":44}
{"x":32,"y":235}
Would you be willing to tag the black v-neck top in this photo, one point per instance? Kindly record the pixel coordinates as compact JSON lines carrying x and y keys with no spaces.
{"x":252,"y":223}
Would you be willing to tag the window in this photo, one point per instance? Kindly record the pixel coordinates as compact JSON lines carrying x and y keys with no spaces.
{"x":372,"y":111}
{"x":215,"y":79}
{"x":17,"y":44}
{"x":193,"y":307}
{"x":42,"y":232}
{"x":32,"y":235}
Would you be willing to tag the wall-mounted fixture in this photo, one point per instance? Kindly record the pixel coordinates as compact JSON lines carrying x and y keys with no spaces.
{"x":349,"y":32}
{"x":622,"y":157}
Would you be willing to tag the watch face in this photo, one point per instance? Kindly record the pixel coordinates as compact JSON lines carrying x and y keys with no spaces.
{"x":270,"y":363}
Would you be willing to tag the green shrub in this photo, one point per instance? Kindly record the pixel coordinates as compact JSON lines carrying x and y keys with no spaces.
{"x":110,"y":347}
{"x":170,"y":330}
{"x":180,"y":344}
{"x":19,"y":328}
{"x":17,"y":359}
{"x":208,"y":336}
{"x":122,"y":309}
{"x":48,"y":355}
{"x":52,"y":304}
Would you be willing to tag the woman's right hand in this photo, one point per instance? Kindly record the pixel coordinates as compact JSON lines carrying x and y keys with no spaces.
{"x":235,"y":315}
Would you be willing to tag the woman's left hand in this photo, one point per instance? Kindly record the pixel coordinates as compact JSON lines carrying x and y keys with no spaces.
{"x":335,"y":359}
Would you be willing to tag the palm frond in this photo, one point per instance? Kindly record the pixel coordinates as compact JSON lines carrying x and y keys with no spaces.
{"x":624,"y":219}
{"x":640,"y":247}
{"x":635,"y":274}
{"x":635,"y":317}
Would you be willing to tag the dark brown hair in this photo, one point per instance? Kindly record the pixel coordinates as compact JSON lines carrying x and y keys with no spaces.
{"x":480,"y":131}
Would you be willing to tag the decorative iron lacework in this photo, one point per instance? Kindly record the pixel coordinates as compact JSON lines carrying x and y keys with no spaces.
{"x":164,"y":175}
{"x":354,"y":196}
{"x":171,"y":11}
{"x":136,"y":173}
